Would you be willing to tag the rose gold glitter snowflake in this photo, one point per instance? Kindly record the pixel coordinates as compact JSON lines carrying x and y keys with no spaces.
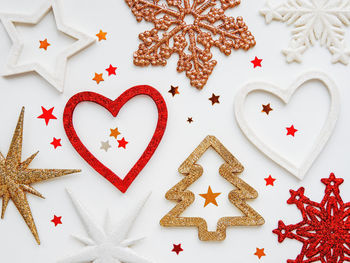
{"x":192,"y":41}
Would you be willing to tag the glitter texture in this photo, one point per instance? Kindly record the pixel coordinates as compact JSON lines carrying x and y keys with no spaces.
{"x":230,"y":171}
{"x":16,"y":177}
{"x":325,"y":228}
{"x":192,"y":41}
{"x":113,"y":106}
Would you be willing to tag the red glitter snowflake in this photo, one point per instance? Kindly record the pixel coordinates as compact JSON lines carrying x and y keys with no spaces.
{"x":325,"y":228}
{"x":192,"y":41}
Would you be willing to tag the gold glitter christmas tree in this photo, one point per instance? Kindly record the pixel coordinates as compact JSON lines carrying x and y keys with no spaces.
{"x":16,"y":177}
{"x":184,"y":198}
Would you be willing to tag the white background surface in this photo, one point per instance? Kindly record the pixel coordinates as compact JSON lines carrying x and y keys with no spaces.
{"x":136,"y":121}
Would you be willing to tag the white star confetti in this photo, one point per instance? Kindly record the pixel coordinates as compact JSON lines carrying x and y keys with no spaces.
{"x":105,"y":145}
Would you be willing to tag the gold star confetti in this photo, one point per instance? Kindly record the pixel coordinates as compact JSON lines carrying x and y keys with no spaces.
{"x":16,"y":177}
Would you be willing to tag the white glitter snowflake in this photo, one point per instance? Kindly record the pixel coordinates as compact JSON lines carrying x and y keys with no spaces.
{"x":313,"y":20}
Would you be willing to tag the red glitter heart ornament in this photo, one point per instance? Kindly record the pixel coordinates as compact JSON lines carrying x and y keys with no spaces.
{"x":113,"y":106}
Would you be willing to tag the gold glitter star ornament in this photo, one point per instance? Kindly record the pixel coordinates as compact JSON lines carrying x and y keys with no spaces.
{"x":16,"y":178}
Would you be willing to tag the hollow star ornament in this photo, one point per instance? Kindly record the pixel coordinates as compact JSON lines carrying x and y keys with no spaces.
{"x":55,"y":77}
{"x":16,"y":177}
{"x":106,"y":245}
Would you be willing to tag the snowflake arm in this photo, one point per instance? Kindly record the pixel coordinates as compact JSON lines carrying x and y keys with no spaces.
{"x":191,"y":41}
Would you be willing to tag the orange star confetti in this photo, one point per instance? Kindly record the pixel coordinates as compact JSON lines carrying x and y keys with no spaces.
{"x":114,"y":133}
{"x":98,"y":78}
{"x":174,"y":90}
{"x":210,"y":197}
{"x":291,"y":130}
{"x":269,"y":180}
{"x":214,"y":99}
{"x":101,"y":35}
{"x":122,"y":143}
{"x":44,"y":44}
{"x":259,"y":252}
{"x":266,"y":108}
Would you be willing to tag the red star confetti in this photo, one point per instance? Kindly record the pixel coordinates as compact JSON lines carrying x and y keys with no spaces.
{"x":214,"y":99}
{"x":256,"y":62}
{"x":56,"y":142}
{"x":324,"y":230}
{"x":266,"y":108}
{"x":177,"y":248}
{"x":44,"y":44}
{"x":98,"y":78}
{"x":291,"y":130}
{"x":189,"y":119}
{"x":57,"y":220}
{"x":269,"y":180}
{"x":174,"y":90}
{"x":47,"y":115}
{"x":101,"y":35}
{"x":111,"y":70}
{"x":122,"y":143}
{"x":260,"y":252}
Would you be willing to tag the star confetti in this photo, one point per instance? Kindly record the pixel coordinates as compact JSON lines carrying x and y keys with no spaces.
{"x":291,"y":130}
{"x":177,"y":249}
{"x":324,"y":229}
{"x":44,"y":44}
{"x":210,"y":197}
{"x":110,"y":243}
{"x":256,"y":62}
{"x":101,"y":35}
{"x":98,"y":78}
{"x":214,"y":99}
{"x":260,"y":252}
{"x":189,"y":119}
{"x":57,"y":220}
{"x":114,"y":133}
{"x":189,"y":28}
{"x":56,"y":142}
{"x":122,"y":143}
{"x":174,"y":90}
{"x":105,"y":145}
{"x":16,"y":178}
{"x":266,"y":108}
{"x":47,"y":115}
{"x":269,"y":180}
{"x":111,"y":70}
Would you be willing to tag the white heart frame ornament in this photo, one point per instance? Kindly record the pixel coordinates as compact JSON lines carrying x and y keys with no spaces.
{"x":285,"y":95}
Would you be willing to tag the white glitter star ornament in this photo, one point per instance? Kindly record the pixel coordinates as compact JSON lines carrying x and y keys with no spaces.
{"x":105,"y":245}
{"x":313,"y":20}
{"x":55,"y":78}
